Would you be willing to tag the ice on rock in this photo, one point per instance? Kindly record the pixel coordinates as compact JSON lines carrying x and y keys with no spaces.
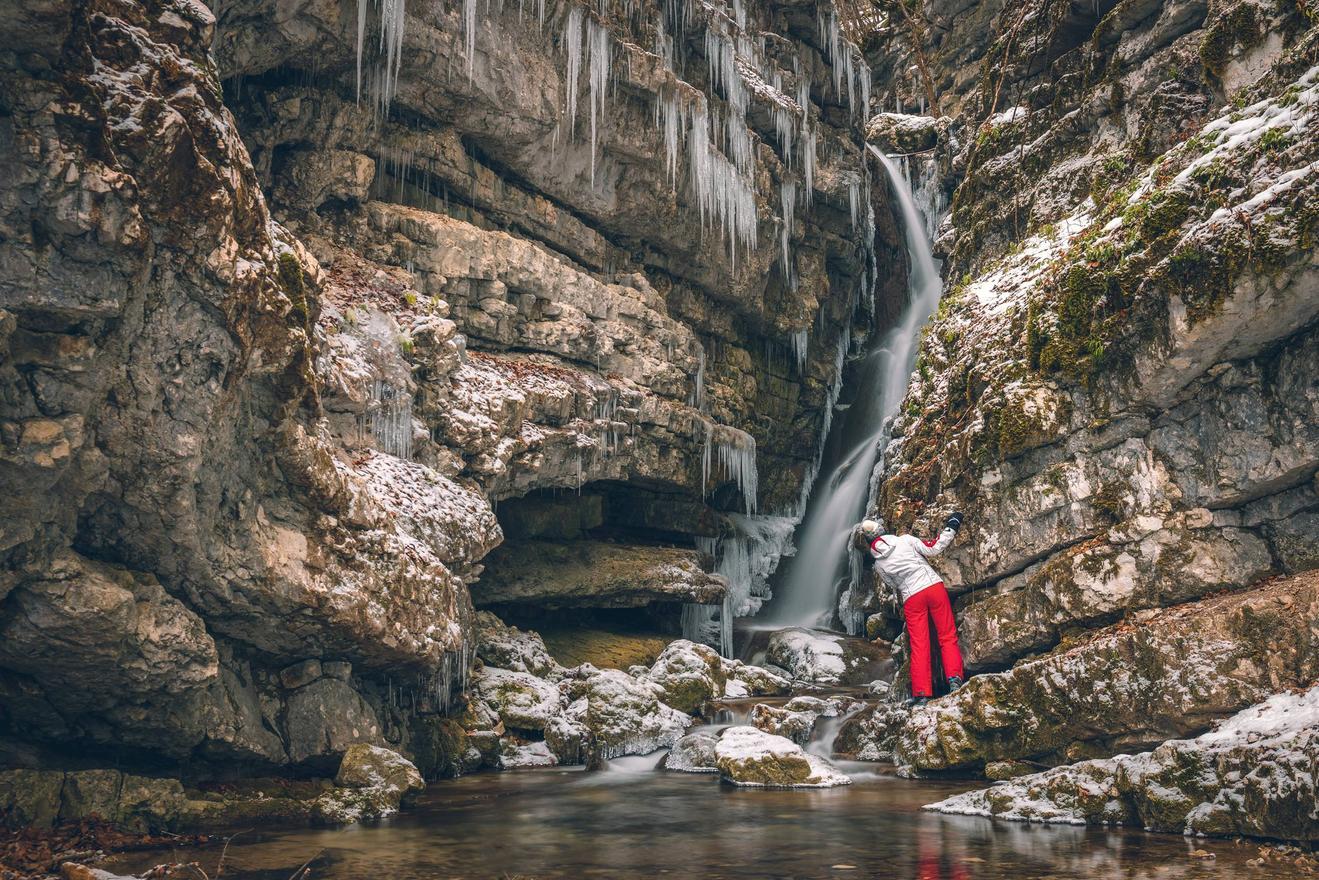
{"x":1254,"y":775}
{"x":521,"y":700}
{"x":514,"y":756}
{"x":694,"y":753}
{"x":750,"y":757}
{"x":808,"y":655}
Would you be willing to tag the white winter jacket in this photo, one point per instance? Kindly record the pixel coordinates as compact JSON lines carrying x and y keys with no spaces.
{"x":900,"y":561}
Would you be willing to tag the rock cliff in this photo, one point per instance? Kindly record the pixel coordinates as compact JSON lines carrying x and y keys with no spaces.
{"x":290,"y":298}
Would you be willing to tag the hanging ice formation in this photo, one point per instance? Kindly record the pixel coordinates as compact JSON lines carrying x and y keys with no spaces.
{"x":734,"y":451}
{"x":587,"y":40}
{"x":469,"y":35}
{"x":389,"y":412}
{"x":392,"y":22}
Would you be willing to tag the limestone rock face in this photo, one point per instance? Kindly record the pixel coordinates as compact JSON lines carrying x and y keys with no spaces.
{"x":750,"y":757}
{"x":1253,"y":775}
{"x":1096,"y":392}
{"x":269,"y":356}
{"x":1129,"y":686}
{"x":596,"y":574}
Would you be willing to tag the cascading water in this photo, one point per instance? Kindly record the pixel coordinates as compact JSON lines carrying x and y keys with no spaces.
{"x":810,"y":582}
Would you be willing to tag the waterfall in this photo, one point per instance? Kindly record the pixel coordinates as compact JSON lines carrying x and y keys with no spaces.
{"x":811,"y":581}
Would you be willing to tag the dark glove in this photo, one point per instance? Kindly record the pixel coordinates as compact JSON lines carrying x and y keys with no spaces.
{"x":953,"y":522}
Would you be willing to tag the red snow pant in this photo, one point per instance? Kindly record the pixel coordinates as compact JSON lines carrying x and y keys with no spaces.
{"x":934,"y":602}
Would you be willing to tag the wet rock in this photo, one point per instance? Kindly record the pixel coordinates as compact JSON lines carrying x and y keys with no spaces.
{"x":796,"y":726}
{"x":1002,"y":770}
{"x":441,"y":748}
{"x":750,"y":757}
{"x":372,"y":782}
{"x":694,"y":753}
{"x":1128,"y":686}
{"x":689,"y":675}
{"x":521,"y":700}
{"x":1253,"y":775}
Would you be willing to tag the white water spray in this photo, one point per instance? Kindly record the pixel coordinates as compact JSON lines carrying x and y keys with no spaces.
{"x":814,"y":577}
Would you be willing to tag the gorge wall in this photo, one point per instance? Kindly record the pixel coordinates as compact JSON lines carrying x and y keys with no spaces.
{"x":292,"y":296}
{"x":1118,"y":388}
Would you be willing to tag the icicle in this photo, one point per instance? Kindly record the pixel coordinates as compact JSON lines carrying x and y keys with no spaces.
{"x":390,"y":412}
{"x":737,"y":459}
{"x":361,"y":37}
{"x":787,"y":203}
{"x":572,"y":38}
{"x":598,"y":50}
{"x":808,"y":146}
{"x":800,"y":340}
{"x":697,"y":398}
{"x":469,"y":33}
{"x":854,"y":201}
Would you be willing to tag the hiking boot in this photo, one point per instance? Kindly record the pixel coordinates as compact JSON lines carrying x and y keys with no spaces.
{"x":954,"y":682}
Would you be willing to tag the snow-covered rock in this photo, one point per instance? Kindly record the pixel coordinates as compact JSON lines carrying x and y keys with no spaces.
{"x":507,"y":647}
{"x":689,"y":675}
{"x":745,"y":680}
{"x":1254,"y":775}
{"x":694,"y":753}
{"x":611,"y":714}
{"x":796,"y":719}
{"x":371,"y":782}
{"x":750,"y":757}
{"x":521,"y":700}
{"x":824,"y":658}
{"x":516,"y":755}
{"x":904,"y":133}
{"x":1132,"y":685}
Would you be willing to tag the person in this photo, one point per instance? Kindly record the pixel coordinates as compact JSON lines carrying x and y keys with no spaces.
{"x":901,"y":563}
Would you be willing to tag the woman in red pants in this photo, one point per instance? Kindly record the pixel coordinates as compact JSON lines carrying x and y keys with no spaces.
{"x":900,"y":561}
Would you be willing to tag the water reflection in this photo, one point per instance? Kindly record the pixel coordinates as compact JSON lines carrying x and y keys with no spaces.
{"x":632,"y":822}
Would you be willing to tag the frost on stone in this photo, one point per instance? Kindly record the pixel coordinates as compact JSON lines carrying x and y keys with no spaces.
{"x":750,"y":757}
{"x":694,"y":753}
{"x":521,"y":700}
{"x":514,"y":755}
{"x":622,"y":715}
{"x":1254,"y":775}
{"x":689,"y":675}
{"x":808,"y":656}
{"x":507,"y":647}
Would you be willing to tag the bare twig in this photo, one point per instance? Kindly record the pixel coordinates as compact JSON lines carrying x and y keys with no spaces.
{"x":299,"y":873}
{"x":219,"y":866}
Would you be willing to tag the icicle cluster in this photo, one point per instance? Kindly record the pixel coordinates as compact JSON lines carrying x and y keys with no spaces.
{"x":389,"y":412}
{"x":385,"y":79}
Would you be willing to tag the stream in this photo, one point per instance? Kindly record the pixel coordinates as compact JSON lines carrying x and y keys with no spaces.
{"x":633,"y":821}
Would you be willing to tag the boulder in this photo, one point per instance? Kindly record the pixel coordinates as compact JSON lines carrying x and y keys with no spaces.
{"x":745,"y":680}
{"x":514,"y":755}
{"x":750,"y":757}
{"x":371,"y":782}
{"x":521,"y":700}
{"x":824,"y":658}
{"x":508,"y":647}
{"x":1254,"y":775}
{"x":694,"y":753}
{"x":325,"y":717}
{"x":612,"y":714}
{"x":689,"y":675}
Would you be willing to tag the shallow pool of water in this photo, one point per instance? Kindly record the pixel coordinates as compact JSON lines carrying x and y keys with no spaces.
{"x":632,"y":822}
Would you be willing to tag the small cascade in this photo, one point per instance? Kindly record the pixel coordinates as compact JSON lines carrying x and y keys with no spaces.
{"x":811,"y":582}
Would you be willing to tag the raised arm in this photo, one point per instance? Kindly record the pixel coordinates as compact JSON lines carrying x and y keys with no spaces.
{"x":938,"y":545}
